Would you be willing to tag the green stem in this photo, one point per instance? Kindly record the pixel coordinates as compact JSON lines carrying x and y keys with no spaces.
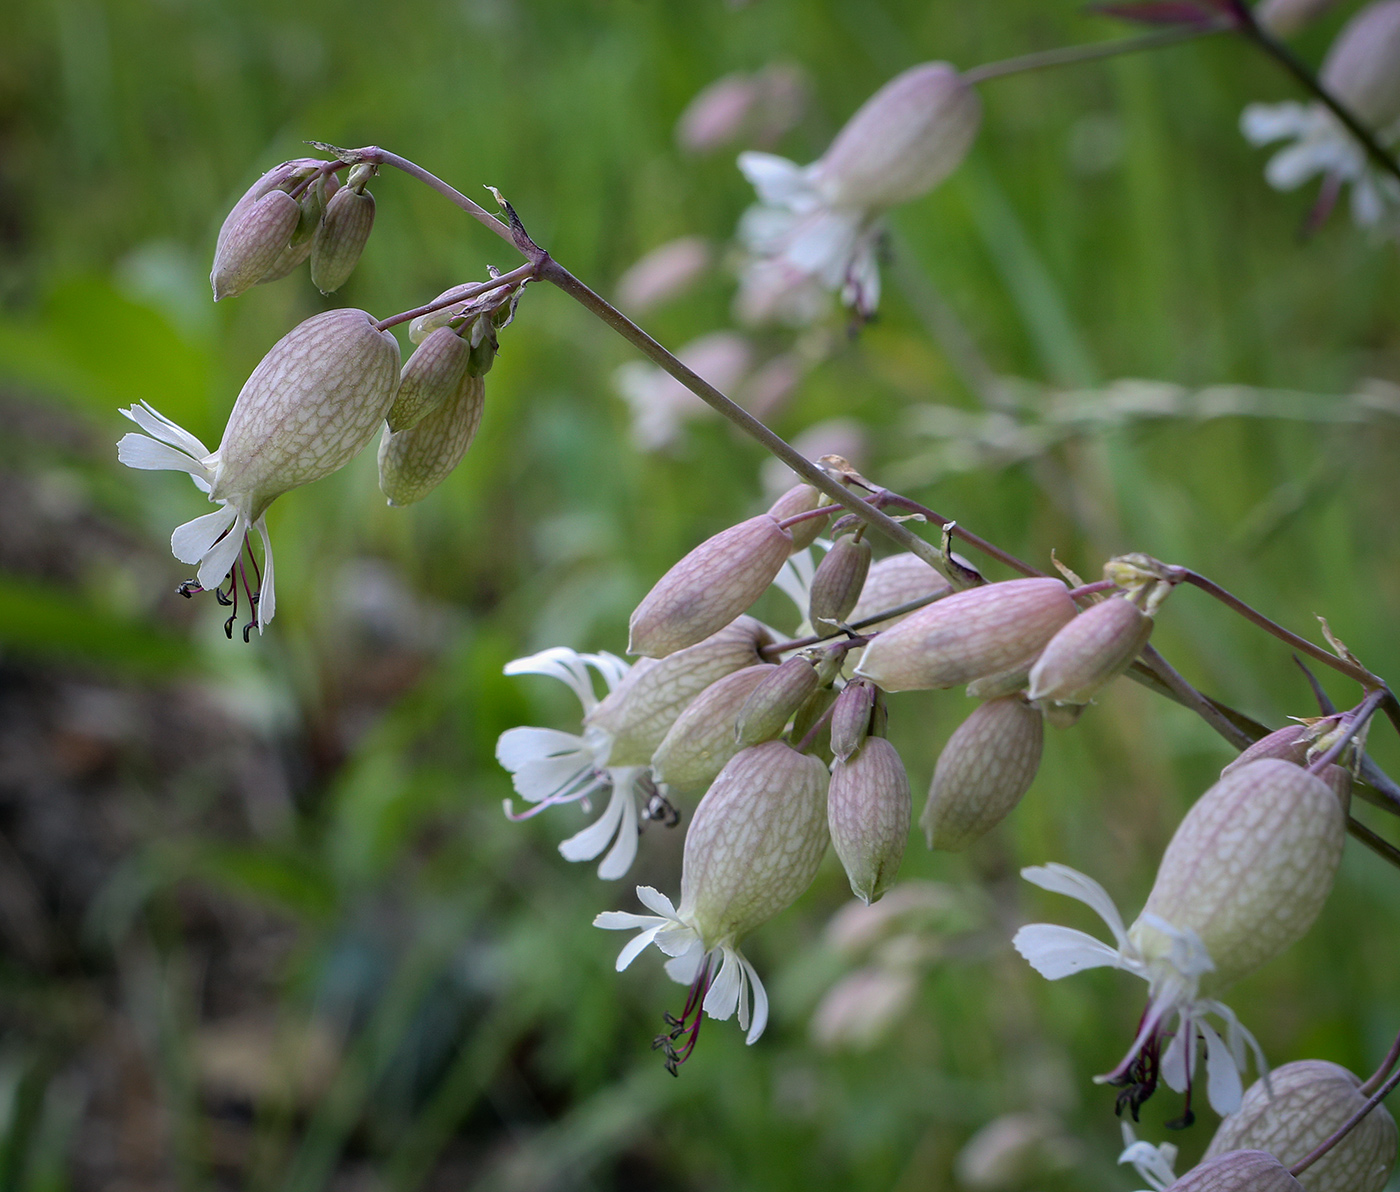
{"x":1070,"y":55}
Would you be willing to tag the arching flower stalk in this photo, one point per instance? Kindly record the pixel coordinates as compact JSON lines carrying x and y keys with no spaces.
{"x":550,"y":768}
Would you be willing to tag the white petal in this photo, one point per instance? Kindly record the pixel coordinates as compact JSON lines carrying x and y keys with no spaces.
{"x":1179,"y":1059}
{"x":626,"y":921}
{"x":760,"y":1002}
{"x":610,"y":666}
{"x":1061,"y":879}
{"x":723,"y":997}
{"x":267,"y":597}
{"x":635,"y":947}
{"x":1291,"y":167}
{"x":1189,"y":956}
{"x":160,"y":427}
{"x":1367,"y":208}
{"x":776,"y":179}
{"x":677,"y":939}
{"x":587,"y":844}
{"x":624,"y":850}
{"x":137,"y":451}
{"x":1056,"y":952}
{"x":221,"y":558}
{"x":195,"y":539}
{"x":560,"y":663}
{"x":520,"y":746}
{"x":1223,"y":1085}
{"x":654,"y":900}
{"x":683,"y":967}
{"x":1264,"y":122}
{"x":823,"y":245}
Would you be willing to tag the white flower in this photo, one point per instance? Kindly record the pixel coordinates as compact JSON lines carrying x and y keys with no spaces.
{"x":720,"y":979}
{"x":549,"y":767}
{"x":216,"y":541}
{"x":1174,"y":1009}
{"x":817,"y":228}
{"x":1321,"y":145}
{"x":1156,"y":1164}
{"x":310,"y":405}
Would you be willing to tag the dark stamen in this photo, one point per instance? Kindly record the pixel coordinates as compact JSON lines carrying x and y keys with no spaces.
{"x":189,"y":589}
{"x":687,"y":1026}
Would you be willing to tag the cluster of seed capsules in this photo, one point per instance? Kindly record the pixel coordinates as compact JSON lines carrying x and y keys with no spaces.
{"x":792,"y":755}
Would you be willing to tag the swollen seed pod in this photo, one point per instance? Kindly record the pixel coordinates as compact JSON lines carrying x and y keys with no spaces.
{"x":1363,"y":66}
{"x":1289,"y":743}
{"x":1238,"y":1171}
{"x":755,"y":841}
{"x":341,"y":236}
{"x":433,"y":373}
{"x":701,"y":741}
{"x":893,"y":581}
{"x":1299,"y":1106}
{"x":967,"y":635}
{"x":310,"y":405}
{"x":413,"y":462}
{"x":838,"y":581}
{"x":985,"y":768}
{"x":312,"y":203}
{"x":1247,"y":870}
{"x":801,"y":498}
{"x":773,"y":702}
{"x":254,"y":244}
{"x":850,"y":721}
{"x":281,"y":177}
{"x":1098,"y":645}
{"x":904,"y":140}
{"x":708,"y":588}
{"x":641,"y":709}
{"x":868,"y":812}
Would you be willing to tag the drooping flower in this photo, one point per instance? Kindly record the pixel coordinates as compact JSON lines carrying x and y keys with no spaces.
{"x":1363,"y":70}
{"x":817,"y":227}
{"x":1174,"y":1004}
{"x":754,"y":846}
{"x":549,"y":768}
{"x":310,"y":405}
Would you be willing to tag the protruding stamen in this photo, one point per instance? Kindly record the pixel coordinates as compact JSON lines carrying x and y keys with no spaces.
{"x":687,"y":1026}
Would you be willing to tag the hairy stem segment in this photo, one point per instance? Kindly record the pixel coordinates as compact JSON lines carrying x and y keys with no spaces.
{"x":1071,"y":55}
{"x":550,"y":270}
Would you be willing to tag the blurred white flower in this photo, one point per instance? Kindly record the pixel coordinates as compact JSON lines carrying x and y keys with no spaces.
{"x":661,"y":404}
{"x":1156,"y":1164}
{"x":1173,"y":994}
{"x":817,"y":227}
{"x":667,"y":272}
{"x":549,"y":767}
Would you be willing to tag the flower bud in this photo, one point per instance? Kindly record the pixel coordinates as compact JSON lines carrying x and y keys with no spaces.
{"x":413,"y":462}
{"x":312,"y":204}
{"x":988,"y":763}
{"x":1248,"y":868}
{"x":433,"y":373}
{"x":701,"y":741}
{"x":1098,"y":645}
{"x":664,"y":273}
{"x":837,"y":584}
{"x":801,"y":498}
{"x":755,"y":841}
{"x":708,"y":588}
{"x":341,"y":237}
{"x":281,"y":177}
{"x":310,"y":405}
{"x":904,"y":140}
{"x":850,"y":722}
{"x":868,"y":811}
{"x":1289,"y":743}
{"x":1363,"y":66}
{"x":1283,"y":18}
{"x":968,"y":635}
{"x":893,"y":581}
{"x":1238,"y":1171}
{"x":253,"y":245}
{"x":1299,"y":1106}
{"x":806,"y":720}
{"x":642,"y":708}
{"x":774,"y":701}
